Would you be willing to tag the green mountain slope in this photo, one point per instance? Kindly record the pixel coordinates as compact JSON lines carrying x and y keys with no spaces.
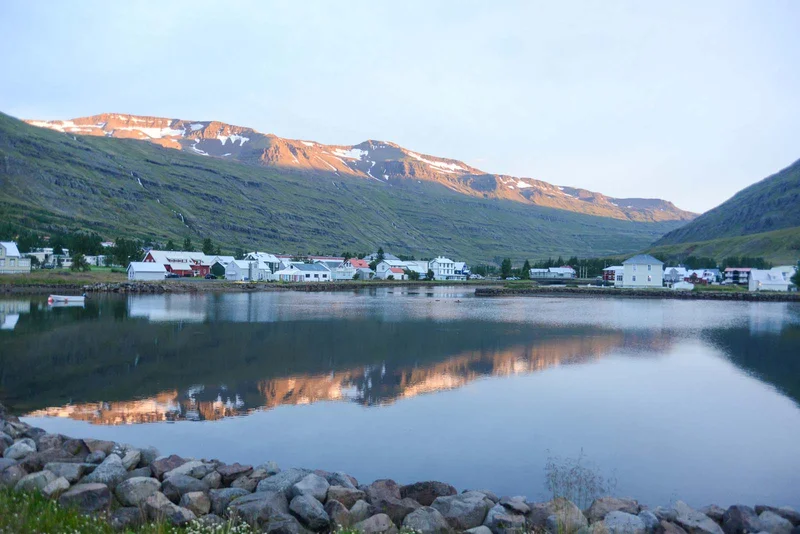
{"x":124,"y":187}
{"x":780,"y":247}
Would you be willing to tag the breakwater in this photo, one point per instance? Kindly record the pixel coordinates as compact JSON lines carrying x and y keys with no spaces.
{"x":562,"y":291}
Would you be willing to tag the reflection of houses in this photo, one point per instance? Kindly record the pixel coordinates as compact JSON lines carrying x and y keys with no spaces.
{"x":10,"y":311}
{"x":165,"y":308}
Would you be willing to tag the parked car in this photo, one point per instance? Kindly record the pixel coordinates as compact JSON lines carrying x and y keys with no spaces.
{"x":210,"y":276}
{"x":172,"y":275}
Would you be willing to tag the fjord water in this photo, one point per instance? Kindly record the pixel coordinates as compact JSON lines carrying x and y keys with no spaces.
{"x":698,"y":401}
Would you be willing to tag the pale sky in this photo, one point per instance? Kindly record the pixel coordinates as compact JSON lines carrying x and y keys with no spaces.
{"x":687,"y":101}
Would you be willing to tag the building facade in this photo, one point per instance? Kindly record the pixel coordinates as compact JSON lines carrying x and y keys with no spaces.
{"x":642,"y":271}
{"x":11,"y":261}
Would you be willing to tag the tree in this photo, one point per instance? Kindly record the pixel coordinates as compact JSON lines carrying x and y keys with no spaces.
{"x":126,"y":251}
{"x":34,"y":261}
{"x":171,"y":245}
{"x":58,"y":249}
{"x":412,"y":275}
{"x":79,"y":263}
{"x":429,"y":275}
{"x":187,"y":244}
{"x":208,"y":247}
{"x":796,"y":277}
{"x":390,"y":277}
{"x":381,"y":255}
{"x":239,"y":255}
{"x":357,"y":276}
{"x":526,"y":270}
{"x":505,"y":268}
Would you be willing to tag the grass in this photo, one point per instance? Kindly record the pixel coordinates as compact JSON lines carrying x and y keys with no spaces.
{"x":721,"y":289}
{"x":64,"y":277}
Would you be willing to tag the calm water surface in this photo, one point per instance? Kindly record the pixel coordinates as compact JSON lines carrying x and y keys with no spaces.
{"x":692,"y":400}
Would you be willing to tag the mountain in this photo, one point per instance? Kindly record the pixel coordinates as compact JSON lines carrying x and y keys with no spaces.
{"x":373,"y":160}
{"x":760,"y":220}
{"x":53,"y":181}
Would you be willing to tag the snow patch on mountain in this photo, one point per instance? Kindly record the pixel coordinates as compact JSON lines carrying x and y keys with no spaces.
{"x":353,"y":153}
{"x":451,"y":167}
{"x":242,"y":140}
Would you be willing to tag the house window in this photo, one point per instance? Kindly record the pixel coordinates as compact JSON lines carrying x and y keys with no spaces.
{"x":634,"y":278}
{"x":316,"y":276}
{"x":2,"y":263}
{"x":308,"y":276}
{"x":634,"y":268}
{"x":11,"y":262}
{"x":649,"y":278}
{"x":619,"y":278}
{"x":649,"y":267}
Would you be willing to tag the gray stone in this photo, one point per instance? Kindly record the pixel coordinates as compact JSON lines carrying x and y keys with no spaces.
{"x":694,"y":522}
{"x":35,"y":481}
{"x":428,"y":520}
{"x":377,"y":524}
{"x":270,"y":467}
{"x":739,"y":519}
{"x":37,"y":460}
{"x":111,"y":472}
{"x":492,"y":496}
{"x":99,"y":445}
{"x":75,"y":447}
{"x":258,"y":508}
{"x":426,"y":492}
{"x":383,"y":489}
{"x":11,"y":475}
{"x":163,"y":465}
{"x":246,"y":482}
{"x":624,"y":523}
{"x":93,"y":497}
{"x":176,"y":485}
{"x":281,"y":523}
{"x":95,"y":457}
{"x":55,"y":488}
{"x":359,"y":512}
{"x":20,"y":449}
{"x":159,"y":507}
{"x":140,"y":472}
{"x":134,"y":491}
{"x":126,"y":518}
{"x":479,"y":530}
{"x":5,"y":438}
{"x":196,"y":501}
{"x":340,"y":478}
{"x":668,"y":527}
{"x":516,"y":505}
{"x":310,"y":511}
{"x":714,"y":512}
{"x":221,"y":498}
{"x":193,"y":468}
{"x":282,"y":481}
{"x":338,"y":514}
{"x":72,"y":472}
{"x":396,"y":509}
{"x":566,"y":518}
{"x":231,"y":472}
{"x":346,"y":496}
{"x":49,"y":441}
{"x":213,"y":479}
{"x":313,"y":485}
{"x":786,"y":512}
{"x":666,"y":514}
{"x":131,"y":459}
{"x":463,"y":511}
{"x":651,"y":522}
{"x":6,"y":462}
{"x":604,"y":505}
{"x":501,"y":520}
{"x":774,"y":523}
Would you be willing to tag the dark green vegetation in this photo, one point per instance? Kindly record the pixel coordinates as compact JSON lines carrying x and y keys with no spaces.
{"x":761,"y":220}
{"x":115,"y":188}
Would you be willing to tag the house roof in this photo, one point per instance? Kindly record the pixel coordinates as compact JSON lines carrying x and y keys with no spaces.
{"x":761,"y":275}
{"x":643,"y":259}
{"x":442,"y":259}
{"x":386,"y":256}
{"x":359,"y":264}
{"x":396,"y":270}
{"x":11,"y":248}
{"x":740,"y":269}
{"x":264,"y":256}
{"x":614,"y":268}
{"x":242,"y":264}
{"x":179,"y":266}
{"x":318,"y":267}
{"x":147,"y":267}
{"x":179,"y":256}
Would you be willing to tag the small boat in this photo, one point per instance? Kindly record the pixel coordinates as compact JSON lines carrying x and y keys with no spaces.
{"x":66,"y":299}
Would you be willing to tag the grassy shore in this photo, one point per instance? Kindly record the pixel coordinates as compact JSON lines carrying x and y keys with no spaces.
{"x":65,"y":277}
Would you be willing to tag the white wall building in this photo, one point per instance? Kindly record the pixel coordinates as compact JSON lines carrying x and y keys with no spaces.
{"x":444,"y":269}
{"x":384,"y":268}
{"x":139,"y":270}
{"x":11,"y":261}
{"x":642,"y":270}
{"x":241,"y":270}
{"x":775,"y":279}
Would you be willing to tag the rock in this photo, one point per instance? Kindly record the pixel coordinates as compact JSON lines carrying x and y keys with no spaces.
{"x":76,"y":447}
{"x":221,"y":498}
{"x":196,"y":501}
{"x":785,"y":512}
{"x":140,"y":472}
{"x":501,"y":520}
{"x":565,"y":518}
{"x":49,"y":441}
{"x":5,"y":438}
{"x":37,"y":460}
{"x":774,"y":523}
{"x":377,"y":524}
{"x":313,"y":485}
{"x":666,"y":514}
{"x":35,"y":481}
{"x":20,"y":449}
{"x":489,"y":495}
{"x":111,"y":472}
{"x":694,"y":522}
{"x":617,"y":522}
{"x":282,"y":481}
{"x":231,"y":472}
{"x":310,"y":511}
{"x":270,"y":467}
{"x":92,"y":497}
{"x":479,"y":530}
{"x":134,"y":491}
{"x":515,"y":505}
{"x":11,"y":475}
{"x":340,"y":478}
{"x":55,"y":488}
{"x":714,"y":512}
{"x":72,"y":472}
{"x":34,"y":433}
{"x":338,"y":514}
{"x":651,"y":522}
{"x":193,"y":468}
{"x":213,"y":479}
{"x":428,"y":520}
{"x":95,"y":457}
{"x":383,"y":489}
{"x":163,"y":465}
{"x":359,"y":512}
{"x":176,"y":485}
{"x":131,"y":459}
{"x":258,"y":508}
{"x":246,"y":482}
{"x":126,"y":518}
{"x":283,"y":524}
{"x":99,"y":445}
{"x":6,"y":462}
{"x":346,"y":496}
{"x":159,"y":507}
{"x":604,"y":505}
{"x":740,"y":519}
{"x":671,"y":528}
{"x":396,"y":509}
{"x":426,"y":492}
{"x":463,"y":511}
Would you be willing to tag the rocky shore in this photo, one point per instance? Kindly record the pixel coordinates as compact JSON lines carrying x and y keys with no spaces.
{"x":561,"y":291}
{"x":127,"y":486}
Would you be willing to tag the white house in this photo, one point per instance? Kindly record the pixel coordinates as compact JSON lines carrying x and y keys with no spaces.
{"x":11,"y":262}
{"x":304,"y":272}
{"x":675,"y":274}
{"x":273,"y":263}
{"x":384,"y":268}
{"x":418,"y":266}
{"x":444,"y":269}
{"x":140,"y":270}
{"x":553,"y":272}
{"x":775,"y":279}
{"x":241,"y":270}
{"x":642,"y":270}
{"x":614,"y":274}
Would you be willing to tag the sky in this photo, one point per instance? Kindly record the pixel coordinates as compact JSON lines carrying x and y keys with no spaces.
{"x":687,"y":101}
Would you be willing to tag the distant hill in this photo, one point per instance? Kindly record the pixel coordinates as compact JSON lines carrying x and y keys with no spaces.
{"x":760,"y":220}
{"x":51,"y":180}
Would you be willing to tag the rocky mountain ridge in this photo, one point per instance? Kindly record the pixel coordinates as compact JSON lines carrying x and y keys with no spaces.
{"x":380,"y":161}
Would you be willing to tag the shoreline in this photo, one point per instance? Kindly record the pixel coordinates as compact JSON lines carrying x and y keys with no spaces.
{"x":127,"y":485}
{"x":549,"y":291}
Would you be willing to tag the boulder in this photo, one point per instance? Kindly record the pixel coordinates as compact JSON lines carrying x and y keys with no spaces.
{"x":92,"y":497}
{"x":714,"y":512}
{"x":428,"y":520}
{"x":49,"y":441}
{"x":231,"y":472}
{"x":340,"y":478}
{"x":617,"y":522}
{"x":396,"y":509}
{"x":20,"y":449}
{"x":76,"y":447}
{"x":310,"y":511}
{"x":213,"y":479}
{"x":338,"y":513}
{"x":176,"y":485}
{"x":126,"y":519}
{"x":565,"y":518}
{"x":111,"y":472}
{"x":131,"y":459}
{"x":426,"y":492}
{"x":35,"y":481}
{"x":604,"y":505}
{"x":463,"y":511}
{"x":134,"y":491}
{"x":479,"y":530}
{"x":5,"y":439}
{"x":11,"y":475}
{"x":346,"y":496}
{"x":37,"y":460}
{"x":193,"y":468}
{"x":313,"y":485}
{"x":774,"y":523}
{"x":515,"y":505}
{"x":258,"y":508}
{"x":694,"y":522}
{"x":55,"y":488}
{"x":99,"y":445}
{"x":740,"y":519}
{"x":246,"y":482}
{"x":785,"y":512}
{"x":221,"y":498}
{"x":282,"y":481}
{"x":382,"y":490}
{"x":71,"y":471}
{"x":159,"y":507}
{"x":7,"y":462}
{"x":377,"y":524}
{"x":140,"y":472}
{"x":95,"y":457}
{"x":196,"y":501}
{"x":492,"y":496}
{"x":163,"y":465}
{"x":281,"y":523}
{"x":270,"y":467}
{"x":34,"y":433}
{"x":148,"y":456}
{"x":650,"y":520}
{"x":501,"y":520}
{"x":668,"y":527}
{"x":359,"y":512}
